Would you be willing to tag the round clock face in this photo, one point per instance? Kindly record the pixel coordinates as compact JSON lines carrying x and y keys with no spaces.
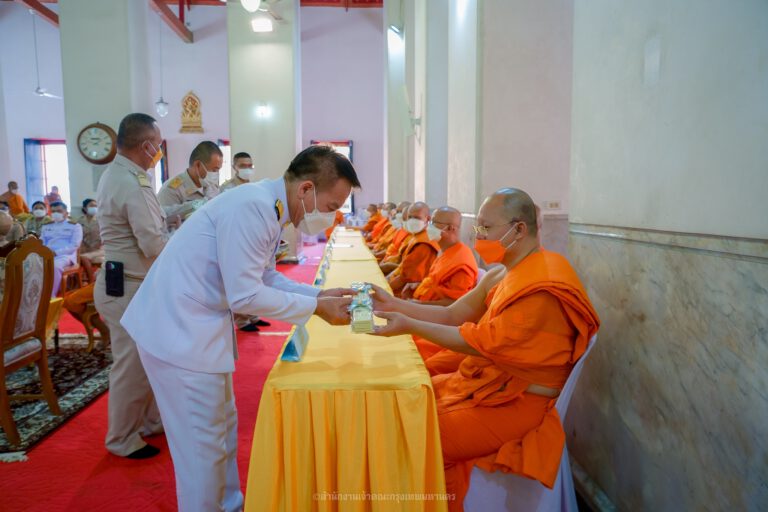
{"x":96,"y":143}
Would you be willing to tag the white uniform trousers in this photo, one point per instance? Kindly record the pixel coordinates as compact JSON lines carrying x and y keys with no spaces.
{"x":200,"y":419}
{"x":59,"y":264}
{"x":132,"y":410}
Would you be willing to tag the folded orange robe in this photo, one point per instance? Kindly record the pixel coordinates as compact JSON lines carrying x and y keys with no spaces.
{"x":376,"y":217}
{"x":394,"y":253}
{"x":537,"y":325}
{"x":417,"y":259}
{"x":452,"y":275}
{"x":336,"y":221}
{"x":393,"y":249}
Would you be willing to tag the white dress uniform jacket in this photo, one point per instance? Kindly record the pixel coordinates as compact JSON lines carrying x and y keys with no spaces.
{"x":221,"y":261}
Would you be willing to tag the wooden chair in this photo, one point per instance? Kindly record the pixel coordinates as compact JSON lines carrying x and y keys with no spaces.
{"x":71,"y":279}
{"x":23,"y":314}
{"x":89,"y":316}
{"x":52,"y":321}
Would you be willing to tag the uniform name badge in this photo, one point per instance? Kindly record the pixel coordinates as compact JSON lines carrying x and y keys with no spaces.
{"x":297,"y":344}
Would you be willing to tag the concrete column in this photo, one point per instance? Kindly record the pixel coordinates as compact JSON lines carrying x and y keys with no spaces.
{"x":105,"y":74}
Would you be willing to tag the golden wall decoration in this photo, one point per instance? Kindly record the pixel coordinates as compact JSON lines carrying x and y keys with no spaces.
{"x":191,"y":114}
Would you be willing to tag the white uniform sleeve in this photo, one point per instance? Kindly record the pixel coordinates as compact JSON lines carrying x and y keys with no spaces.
{"x":275,"y":279}
{"x":244,"y":241}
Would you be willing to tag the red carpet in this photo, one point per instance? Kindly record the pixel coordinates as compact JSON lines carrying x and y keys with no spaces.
{"x":71,"y":470}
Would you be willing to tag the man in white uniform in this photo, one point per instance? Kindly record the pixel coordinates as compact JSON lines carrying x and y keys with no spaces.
{"x":64,"y":239}
{"x":222,"y":262}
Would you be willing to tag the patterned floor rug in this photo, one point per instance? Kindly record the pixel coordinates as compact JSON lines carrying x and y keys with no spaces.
{"x":78,"y":378}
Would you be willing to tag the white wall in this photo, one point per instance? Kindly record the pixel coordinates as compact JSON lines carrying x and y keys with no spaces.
{"x":264,"y":68}
{"x":526,"y":96}
{"x":681,"y":149}
{"x":200,"y":67}
{"x":22,"y":113}
{"x":342,"y":87}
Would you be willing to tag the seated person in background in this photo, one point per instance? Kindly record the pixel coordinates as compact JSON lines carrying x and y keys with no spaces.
{"x":192,"y":185}
{"x":33,"y":222}
{"x":522,"y":329}
{"x":391,"y":257}
{"x":12,"y":230}
{"x":242,"y":167}
{"x":419,"y":253}
{"x":372,"y":211}
{"x":91,"y":251}
{"x":63,"y":237}
{"x":387,"y":209}
{"x":77,"y":302}
{"x":16,"y":203}
{"x":52,"y":197}
{"x":395,"y":235}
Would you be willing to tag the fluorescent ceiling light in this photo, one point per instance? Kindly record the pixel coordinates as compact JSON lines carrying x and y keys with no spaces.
{"x":261,"y":24}
{"x":250,"y":5}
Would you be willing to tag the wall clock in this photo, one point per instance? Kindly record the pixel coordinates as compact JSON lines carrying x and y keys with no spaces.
{"x":97,"y":143}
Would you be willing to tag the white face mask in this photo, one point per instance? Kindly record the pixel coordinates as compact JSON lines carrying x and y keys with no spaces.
{"x":57,"y":216}
{"x":315,"y":222}
{"x":246,"y":173}
{"x":213,"y":178}
{"x":434,"y":233}
{"x":39,"y":214}
{"x":92,"y":210}
{"x":365,"y":215}
{"x":399,"y":216}
{"x":397,"y":224}
{"x":415,"y":225}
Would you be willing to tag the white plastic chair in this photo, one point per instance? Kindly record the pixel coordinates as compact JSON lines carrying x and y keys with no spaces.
{"x":490,"y":492}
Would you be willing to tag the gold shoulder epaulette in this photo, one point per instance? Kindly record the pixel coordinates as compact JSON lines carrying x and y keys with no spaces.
{"x":143,"y":181}
{"x":176,"y":182}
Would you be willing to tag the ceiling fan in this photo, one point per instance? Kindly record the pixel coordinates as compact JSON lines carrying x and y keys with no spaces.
{"x":40,"y":91}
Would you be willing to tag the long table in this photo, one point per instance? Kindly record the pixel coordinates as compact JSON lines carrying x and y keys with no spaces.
{"x":353,"y":425}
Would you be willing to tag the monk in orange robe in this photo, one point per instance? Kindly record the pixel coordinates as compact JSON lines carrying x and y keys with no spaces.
{"x":77,"y":302}
{"x":339,"y":219}
{"x":386,"y":210}
{"x":522,"y":330}
{"x":418,"y":255}
{"x":452,"y":275}
{"x":389,"y":236}
{"x":16,"y":203}
{"x":373,"y":217}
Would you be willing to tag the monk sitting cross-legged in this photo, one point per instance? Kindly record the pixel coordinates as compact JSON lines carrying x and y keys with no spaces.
{"x":521,"y":338}
{"x":382,"y":224}
{"x":372,"y":211}
{"x":418,"y":254}
{"x":391,"y":254}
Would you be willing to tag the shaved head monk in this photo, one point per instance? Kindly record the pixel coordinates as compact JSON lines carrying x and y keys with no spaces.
{"x":417,"y":257}
{"x":373,"y":217}
{"x":396,"y":234}
{"x":521,"y":330}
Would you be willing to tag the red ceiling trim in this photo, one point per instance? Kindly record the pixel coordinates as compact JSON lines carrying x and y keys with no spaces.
{"x":347,"y":4}
{"x":44,"y":12}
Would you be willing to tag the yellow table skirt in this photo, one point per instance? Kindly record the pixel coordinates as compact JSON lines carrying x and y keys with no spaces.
{"x":352,"y":427}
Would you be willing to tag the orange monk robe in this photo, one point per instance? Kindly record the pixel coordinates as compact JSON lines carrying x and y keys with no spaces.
{"x":452,"y":275}
{"x":417,"y":259}
{"x":339,"y":219}
{"x":77,"y":301}
{"x":385,"y":239}
{"x":537,"y":325}
{"x":398,"y":245}
{"x":375,"y":233}
{"x":376,"y":217}
{"x":16,"y":204}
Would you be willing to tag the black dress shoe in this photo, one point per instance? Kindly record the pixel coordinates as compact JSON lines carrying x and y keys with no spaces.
{"x":249,"y":328}
{"x":263,"y":323}
{"x":144,"y":452}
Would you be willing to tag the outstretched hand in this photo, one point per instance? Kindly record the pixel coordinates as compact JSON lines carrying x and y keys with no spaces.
{"x":397,"y":324}
{"x":382,"y":299}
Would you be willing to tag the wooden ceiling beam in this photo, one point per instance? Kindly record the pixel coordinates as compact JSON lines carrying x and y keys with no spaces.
{"x":44,"y":12}
{"x":172,"y":20}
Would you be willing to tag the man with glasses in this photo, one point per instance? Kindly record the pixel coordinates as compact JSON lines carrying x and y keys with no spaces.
{"x":242,"y":165}
{"x":521,"y":331}
{"x":177,"y":193}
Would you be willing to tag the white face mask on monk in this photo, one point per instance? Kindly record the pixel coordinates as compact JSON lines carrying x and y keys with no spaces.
{"x":315,"y":222}
{"x":415,"y":225}
{"x":434,"y":233}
